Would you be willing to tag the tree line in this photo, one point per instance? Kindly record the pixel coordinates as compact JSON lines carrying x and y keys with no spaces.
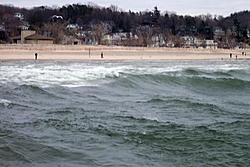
{"x":227,"y":31}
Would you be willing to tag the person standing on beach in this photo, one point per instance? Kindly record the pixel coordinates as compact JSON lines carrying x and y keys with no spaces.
{"x":230,"y":55}
{"x":236,"y":57}
{"x":36,"y":56}
{"x":102,"y":55}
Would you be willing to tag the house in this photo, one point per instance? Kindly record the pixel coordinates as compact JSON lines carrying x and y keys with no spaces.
{"x":23,"y":25}
{"x":210,"y":44}
{"x":80,"y":33}
{"x":199,"y":43}
{"x":72,"y":26}
{"x":158,"y":40}
{"x":31,"y":37}
{"x":170,"y":44}
{"x":189,"y":41}
{"x":56,"y":18}
{"x":71,"y":40}
{"x":2,"y":27}
{"x":116,"y":38}
{"x":218,"y":33}
{"x":38,"y":39}
{"x":107,"y":39}
{"x":19,"y":16}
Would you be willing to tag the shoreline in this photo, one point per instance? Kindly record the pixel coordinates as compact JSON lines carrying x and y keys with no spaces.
{"x":86,"y":52}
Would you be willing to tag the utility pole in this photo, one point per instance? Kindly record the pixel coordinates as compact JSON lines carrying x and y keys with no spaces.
{"x":89,"y":52}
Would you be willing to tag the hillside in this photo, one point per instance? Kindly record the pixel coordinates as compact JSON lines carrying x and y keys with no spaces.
{"x":97,"y":25}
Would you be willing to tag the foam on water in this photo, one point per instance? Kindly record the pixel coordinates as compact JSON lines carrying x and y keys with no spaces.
{"x":73,"y":74}
{"x":45,"y":75}
{"x":5,"y":102}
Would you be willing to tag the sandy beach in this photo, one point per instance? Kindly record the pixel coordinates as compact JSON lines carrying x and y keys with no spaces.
{"x":85,"y":52}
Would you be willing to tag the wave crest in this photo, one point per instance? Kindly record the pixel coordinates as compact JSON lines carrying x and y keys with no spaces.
{"x":5,"y":102}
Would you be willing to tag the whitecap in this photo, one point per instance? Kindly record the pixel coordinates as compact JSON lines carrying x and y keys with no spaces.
{"x":151,"y":118}
{"x":6,"y":103}
{"x":80,"y":85}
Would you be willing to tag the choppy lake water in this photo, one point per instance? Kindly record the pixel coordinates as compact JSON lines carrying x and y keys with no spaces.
{"x":125,"y":113}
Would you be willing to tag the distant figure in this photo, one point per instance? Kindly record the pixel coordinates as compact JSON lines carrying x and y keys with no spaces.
{"x":236,"y":57}
{"x":89,"y":52}
{"x":102,"y":55}
{"x":245,"y":53}
{"x":230,"y":55}
{"x":36,"y":56}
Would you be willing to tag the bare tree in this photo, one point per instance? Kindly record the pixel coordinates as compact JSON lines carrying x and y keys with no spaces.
{"x":54,"y":30}
{"x":98,"y":32}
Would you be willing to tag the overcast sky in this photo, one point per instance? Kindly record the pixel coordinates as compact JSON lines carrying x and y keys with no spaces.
{"x":181,"y":7}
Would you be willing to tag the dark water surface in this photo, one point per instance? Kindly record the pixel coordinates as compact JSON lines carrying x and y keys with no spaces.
{"x":128,"y":113}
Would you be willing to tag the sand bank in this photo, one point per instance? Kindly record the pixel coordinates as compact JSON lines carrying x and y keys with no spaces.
{"x":85,"y":52}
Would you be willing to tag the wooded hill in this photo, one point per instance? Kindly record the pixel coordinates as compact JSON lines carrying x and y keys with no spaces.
{"x":54,"y":22}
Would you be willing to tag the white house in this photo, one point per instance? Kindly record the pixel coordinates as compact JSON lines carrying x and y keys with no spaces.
{"x":158,"y":40}
{"x":19,"y":16}
{"x":210,"y":44}
{"x":188,"y":41}
{"x":24,"y":25}
{"x":199,"y":43}
{"x":56,"y":18}
{"x":72,"y":26}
